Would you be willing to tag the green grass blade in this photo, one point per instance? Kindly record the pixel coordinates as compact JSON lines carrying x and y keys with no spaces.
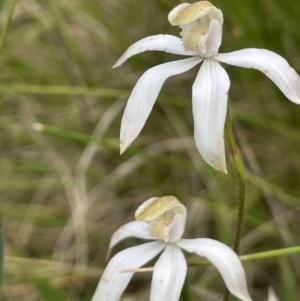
{"x":1,"y":252}
{"x":49,"y":292}
{"x":7,"y":23}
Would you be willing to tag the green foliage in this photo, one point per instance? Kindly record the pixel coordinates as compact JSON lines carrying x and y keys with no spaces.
{"x":48,"y":292}
{"x":1,"y":252}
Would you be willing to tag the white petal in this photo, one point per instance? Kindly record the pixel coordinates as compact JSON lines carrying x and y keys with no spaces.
{"x":274,"y":66}
{"x":224,"y":259}
{"x":176,"y":228}
{"x":131,"y":229}
{"x":144,"y":94}
{"x":169,"y":274}
{"x":271,"y":295}
{"x":214,"y":39}
{"x":210,"y":93}
{"x":161,"y":42}
{"x":112,"y":283}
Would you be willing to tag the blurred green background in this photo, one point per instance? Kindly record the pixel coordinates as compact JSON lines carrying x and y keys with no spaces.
{"x":64,"y":187}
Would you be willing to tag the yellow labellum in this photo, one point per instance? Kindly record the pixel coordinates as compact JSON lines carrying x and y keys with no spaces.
{"x":155,"y":207}
{"x":191,"y":13}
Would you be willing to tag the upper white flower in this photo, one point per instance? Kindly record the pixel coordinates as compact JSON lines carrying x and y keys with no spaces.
{"x":201,"y":38}
{"x":163,"y":219}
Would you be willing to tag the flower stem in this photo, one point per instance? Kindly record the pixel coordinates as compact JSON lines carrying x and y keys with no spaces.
{"x":241,"y":174}
{"x":240,"y":170}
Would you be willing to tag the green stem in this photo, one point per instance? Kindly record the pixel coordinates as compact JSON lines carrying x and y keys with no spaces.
{"x":7,"y":23}
{"x":270,"y":254}
{"x":80,"y":90}
{"x":240,"y":170}
{"x":241,"y":174}
{"x":62,"y":90}
{"x":257,"y":256}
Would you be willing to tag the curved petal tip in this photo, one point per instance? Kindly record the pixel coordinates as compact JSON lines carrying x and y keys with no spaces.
{"x":222,"y":168}
{"x":123,"y":147}
{"x":274,"y":66}
{"x":117,"y":64}
{"x":225,"y":260}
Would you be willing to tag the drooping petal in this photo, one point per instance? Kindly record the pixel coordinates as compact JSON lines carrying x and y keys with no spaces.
{"x":274,"y":66}
{"x":160,"y":42}
{"x":131,"y":229}
{"x":210,"y":93}
{"x":224,"y":259}
{"x":169,"y":274}
{"x":113,"y":283}
{"x":144,"y":94}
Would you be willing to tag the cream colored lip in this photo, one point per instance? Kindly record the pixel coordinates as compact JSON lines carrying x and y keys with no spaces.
{"x":190,"y":13}
{"x":155,"y":207}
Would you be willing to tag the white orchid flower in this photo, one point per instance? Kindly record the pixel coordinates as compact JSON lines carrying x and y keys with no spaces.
{"x":163,"y":220}
{"x":201,"y":37}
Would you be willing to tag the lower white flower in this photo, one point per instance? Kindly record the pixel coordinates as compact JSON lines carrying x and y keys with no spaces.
{"x":201,"y":37}
{"x":163,"y":219}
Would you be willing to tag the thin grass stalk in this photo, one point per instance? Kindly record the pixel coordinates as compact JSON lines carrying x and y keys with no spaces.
{"x":11,"y":9}
{"x":1,"y":252}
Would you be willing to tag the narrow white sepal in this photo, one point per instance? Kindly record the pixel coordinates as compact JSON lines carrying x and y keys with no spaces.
{"x":274,"y":66}
{"x":131,"y":229}
{"x":210,"y":94}
{"x":169,"y":274}
{"x":144,"y":95}
{"x":160,"y":42}
{"x":112,"y":283}
{"x":224,"y":259}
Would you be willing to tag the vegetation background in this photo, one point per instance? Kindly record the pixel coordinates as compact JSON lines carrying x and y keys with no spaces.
{"x":64,"y":187}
